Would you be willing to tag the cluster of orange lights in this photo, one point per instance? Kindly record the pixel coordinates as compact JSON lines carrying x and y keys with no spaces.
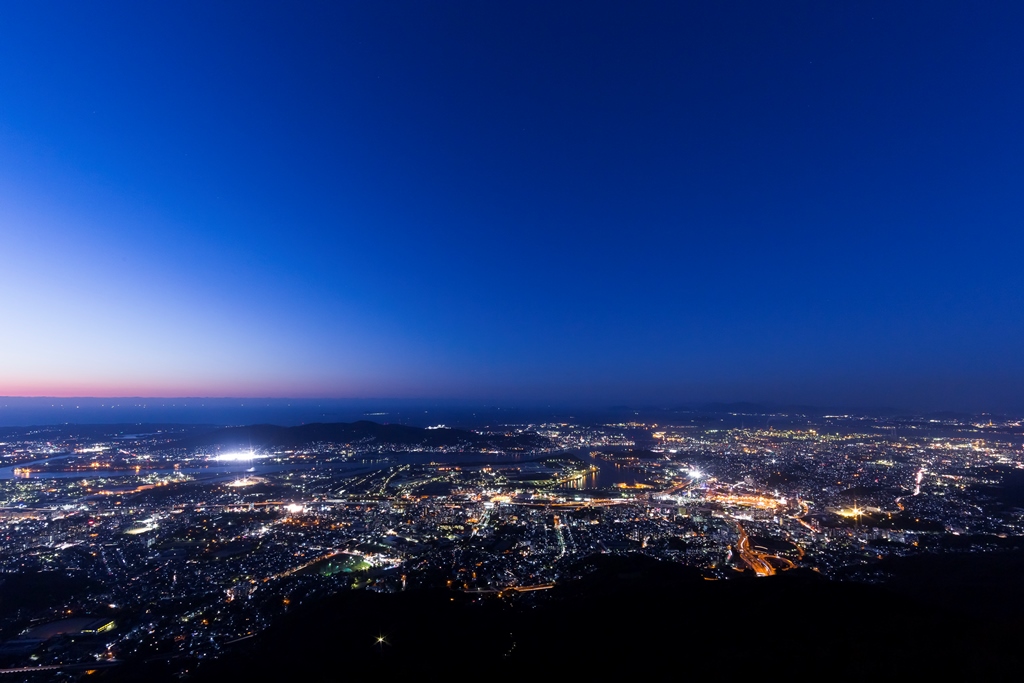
{"x":744,"y":500}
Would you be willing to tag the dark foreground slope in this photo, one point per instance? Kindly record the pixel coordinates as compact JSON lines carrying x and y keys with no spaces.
{"x":630,"y":617}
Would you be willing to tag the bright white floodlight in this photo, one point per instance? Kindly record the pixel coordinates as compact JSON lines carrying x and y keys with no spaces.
{"x":239,"y":456}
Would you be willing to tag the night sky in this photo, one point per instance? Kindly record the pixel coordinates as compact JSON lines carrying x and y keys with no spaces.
{"x":817,"y":203}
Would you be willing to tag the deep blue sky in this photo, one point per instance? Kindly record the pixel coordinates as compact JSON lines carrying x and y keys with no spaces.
{"x":787,"y":202}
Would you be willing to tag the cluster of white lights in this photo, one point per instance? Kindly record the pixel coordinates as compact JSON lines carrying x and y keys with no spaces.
{"x":237,"y":457}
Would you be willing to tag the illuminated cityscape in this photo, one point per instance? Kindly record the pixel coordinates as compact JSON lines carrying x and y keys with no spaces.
{"x":174,"y":544}
{"x":533,"y":340}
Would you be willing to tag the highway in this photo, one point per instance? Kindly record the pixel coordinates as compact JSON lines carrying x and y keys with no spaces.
{"x":804,"y":509}
{"x":676,"y":488}
{"x":751,"y":557}
{"x":304,"y":565}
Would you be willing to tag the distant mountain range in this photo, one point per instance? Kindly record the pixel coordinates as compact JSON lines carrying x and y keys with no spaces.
{"x":363,"y":432}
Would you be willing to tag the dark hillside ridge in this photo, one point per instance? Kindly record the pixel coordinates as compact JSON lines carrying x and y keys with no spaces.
{"x":363,"y":432}
{"x":629,"y":617}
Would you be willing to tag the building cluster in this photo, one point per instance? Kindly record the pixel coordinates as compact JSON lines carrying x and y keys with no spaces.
{"x":152,"y":551}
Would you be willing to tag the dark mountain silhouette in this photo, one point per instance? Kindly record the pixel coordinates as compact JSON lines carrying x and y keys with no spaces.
{"x":630,"y":617}
{"x":363,"y":432}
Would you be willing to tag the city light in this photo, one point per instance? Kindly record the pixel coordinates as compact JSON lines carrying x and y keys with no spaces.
{"x":365,"y":516}
{"x":239,"y":456}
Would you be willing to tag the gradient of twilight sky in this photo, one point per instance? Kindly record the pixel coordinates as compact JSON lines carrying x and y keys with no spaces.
{"x":799,"y":202}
